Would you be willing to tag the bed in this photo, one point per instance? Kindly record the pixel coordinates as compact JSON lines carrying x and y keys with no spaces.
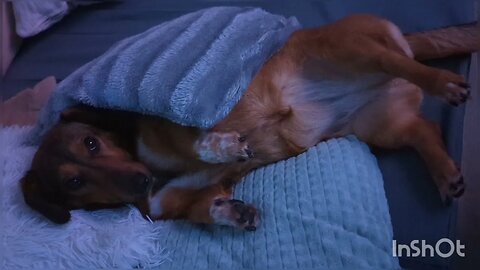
{"x":415,"y":208}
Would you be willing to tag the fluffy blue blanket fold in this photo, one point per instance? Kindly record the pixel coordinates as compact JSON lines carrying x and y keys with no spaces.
{"x":191,"y":70}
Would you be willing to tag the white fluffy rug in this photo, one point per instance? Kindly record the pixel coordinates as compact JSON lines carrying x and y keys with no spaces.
{"x":102,"y":239}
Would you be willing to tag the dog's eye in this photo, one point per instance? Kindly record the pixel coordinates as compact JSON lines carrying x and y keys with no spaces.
{"x":74,"y":183}
{"x":91,"y":143}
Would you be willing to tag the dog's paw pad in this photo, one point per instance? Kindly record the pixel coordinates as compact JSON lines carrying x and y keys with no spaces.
{"x":242,"y":151}
{"x":222,"y":147}
{"x":457,"y":93}
{"x":457,"y":187}
{"x":235,"y":213}
{"x":454,"y":187}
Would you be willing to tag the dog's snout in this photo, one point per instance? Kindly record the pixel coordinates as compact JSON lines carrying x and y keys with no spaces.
{"x":142,"y":183}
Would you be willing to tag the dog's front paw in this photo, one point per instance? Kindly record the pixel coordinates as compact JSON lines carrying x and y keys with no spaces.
{"x":223,"y":147}
{"x":234,"y":213}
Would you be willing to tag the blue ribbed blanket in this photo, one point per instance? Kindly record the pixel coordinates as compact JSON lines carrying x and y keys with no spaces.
{"x":191,"y":70}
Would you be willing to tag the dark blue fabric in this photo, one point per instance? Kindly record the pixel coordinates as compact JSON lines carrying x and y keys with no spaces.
{"x":415,"y":207}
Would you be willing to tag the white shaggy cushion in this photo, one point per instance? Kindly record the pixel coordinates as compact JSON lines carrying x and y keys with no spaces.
{"x":102,"y":239}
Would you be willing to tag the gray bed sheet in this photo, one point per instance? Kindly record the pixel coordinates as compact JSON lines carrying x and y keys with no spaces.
{"x":415,"y":207}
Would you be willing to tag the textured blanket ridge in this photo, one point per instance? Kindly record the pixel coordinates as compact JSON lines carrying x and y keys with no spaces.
{"x":191,"y":70}
{"x":324,"y":209}
{"x":92,"y":240}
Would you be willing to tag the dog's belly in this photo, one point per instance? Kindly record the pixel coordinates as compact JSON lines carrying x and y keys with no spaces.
{"x":325,"y":108}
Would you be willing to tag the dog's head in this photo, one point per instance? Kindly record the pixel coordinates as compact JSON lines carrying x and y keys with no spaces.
{"x":86,"y":161}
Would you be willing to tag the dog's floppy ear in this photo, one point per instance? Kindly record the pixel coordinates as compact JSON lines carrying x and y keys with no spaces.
{"x":36,"y":198}
{"x":107,"y":119}
{"x":80,"y":113}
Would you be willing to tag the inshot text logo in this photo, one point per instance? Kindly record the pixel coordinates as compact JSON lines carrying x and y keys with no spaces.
{"x":443,"y":248}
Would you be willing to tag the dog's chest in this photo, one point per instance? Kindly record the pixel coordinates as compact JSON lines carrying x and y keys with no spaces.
{"x":155,"y":159}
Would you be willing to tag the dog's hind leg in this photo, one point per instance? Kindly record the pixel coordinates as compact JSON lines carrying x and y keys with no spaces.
{"x":393,"y":121}
{"x":442,"y":83}
{"x":398,"y":63}
{"x":377,"y":46}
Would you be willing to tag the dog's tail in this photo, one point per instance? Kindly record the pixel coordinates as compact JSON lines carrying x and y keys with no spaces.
{"x":445,"y":42}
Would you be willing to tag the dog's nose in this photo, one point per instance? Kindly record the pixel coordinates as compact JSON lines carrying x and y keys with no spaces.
{"x":142,"y":183}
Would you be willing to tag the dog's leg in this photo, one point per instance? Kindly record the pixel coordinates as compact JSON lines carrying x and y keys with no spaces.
{"x":445,"y":84}
{"x":388,"y":59}
{"x":425,"y":137}
{"x":211,"y":204}
{"x":376,"y":46}
{"x":392,"y":121}
{"x":180,"y":143}
{"x":222,"y":147}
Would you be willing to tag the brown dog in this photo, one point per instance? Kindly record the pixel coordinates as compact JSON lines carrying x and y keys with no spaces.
{"x":356,"y":76}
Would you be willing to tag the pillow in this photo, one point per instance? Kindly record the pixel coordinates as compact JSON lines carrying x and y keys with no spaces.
{"x":35,"y":16}
{"x":23,"y":109}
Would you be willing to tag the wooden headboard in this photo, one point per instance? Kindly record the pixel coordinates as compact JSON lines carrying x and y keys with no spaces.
{"x":9,"y":41}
